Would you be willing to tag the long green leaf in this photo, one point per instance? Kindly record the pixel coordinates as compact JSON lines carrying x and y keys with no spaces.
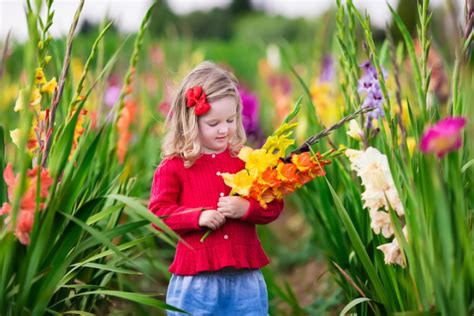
{"x":106,"y":267}
{"x":143,"y":212}
{"x":359,"y":247}
{"x":3,"y":187}
{"x":60,"y":260}
{"x":139,"y":298}
{"x":353,"y":303}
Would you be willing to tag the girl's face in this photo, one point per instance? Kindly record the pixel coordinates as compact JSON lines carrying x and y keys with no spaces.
{"x":218,"y":126}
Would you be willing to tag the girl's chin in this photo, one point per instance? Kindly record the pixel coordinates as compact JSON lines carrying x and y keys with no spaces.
{"x":215,"y":149}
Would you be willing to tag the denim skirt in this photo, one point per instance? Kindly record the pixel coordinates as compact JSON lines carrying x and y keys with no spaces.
{"x":224,"y":292}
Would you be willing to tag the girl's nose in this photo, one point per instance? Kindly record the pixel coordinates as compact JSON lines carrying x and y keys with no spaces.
{"x":223,"y":130}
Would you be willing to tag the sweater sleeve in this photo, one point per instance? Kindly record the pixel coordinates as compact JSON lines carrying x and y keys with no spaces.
{"x":164,"y":197}
{"x":258,"y":215}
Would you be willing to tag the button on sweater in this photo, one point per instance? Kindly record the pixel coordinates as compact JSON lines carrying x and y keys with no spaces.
{"x":177,"y":190}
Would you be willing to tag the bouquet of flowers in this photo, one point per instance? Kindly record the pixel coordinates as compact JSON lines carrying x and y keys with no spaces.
{"x":267,"y":175}
{"x":270,"y":174}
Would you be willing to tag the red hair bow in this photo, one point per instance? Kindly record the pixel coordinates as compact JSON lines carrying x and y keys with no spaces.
{"x":197,"y":98}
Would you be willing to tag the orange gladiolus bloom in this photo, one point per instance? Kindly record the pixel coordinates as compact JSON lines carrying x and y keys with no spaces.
{"x":303,"y":162}
{"x":304,"y":177}
{"x":123,"y":125}
{"x":287,"y":172}
{"x":286,"y":188}
{"x":262,"y":193}
{"x":270,"y":178}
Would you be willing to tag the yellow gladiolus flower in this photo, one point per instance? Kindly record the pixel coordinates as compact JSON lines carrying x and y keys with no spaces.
{"x":411,"y":144}
{"x":258,"y":161}
{"x":35,"y":99}
{"x":405,"y":115}
{"x":277,"y":145}
{"x":15,"y":136}
{"x":49,"y":86}
{"x":39,"y":76}
{"x":241,"y":182}
{"x":244,"y":153}
{"x":325,"y":103}
{"x":283,"y":129}
{"x":19,"y":104}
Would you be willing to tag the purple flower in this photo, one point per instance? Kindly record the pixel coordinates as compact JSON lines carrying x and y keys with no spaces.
{"x":250,"y":109}
{"x":250,"y":116}
{"x":327,"y":69}
{"x":443,"y":137}
{"x":369,"y":84}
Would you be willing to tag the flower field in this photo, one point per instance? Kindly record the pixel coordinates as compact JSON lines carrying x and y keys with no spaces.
{"x":378,"y":218}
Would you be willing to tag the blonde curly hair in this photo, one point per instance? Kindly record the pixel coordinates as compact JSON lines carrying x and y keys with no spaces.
{"x":182,"y":136}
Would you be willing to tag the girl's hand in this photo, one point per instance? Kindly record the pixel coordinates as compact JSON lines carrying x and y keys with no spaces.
{"x":211,"y":219}
{"x":233,"y":206}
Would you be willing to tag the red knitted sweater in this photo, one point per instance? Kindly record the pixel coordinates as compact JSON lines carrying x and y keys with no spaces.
{"x":176,"y":189}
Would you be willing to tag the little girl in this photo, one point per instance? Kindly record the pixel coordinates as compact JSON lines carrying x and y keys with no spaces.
{"x":220,"y":275}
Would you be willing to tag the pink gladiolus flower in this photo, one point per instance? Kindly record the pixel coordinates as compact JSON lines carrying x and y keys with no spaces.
{"x":24,"y":226}
{"x":443,"y":137}
{"x":5,"y":210}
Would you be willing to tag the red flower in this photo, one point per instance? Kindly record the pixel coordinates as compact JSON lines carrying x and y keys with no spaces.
{"x":197,"y":98}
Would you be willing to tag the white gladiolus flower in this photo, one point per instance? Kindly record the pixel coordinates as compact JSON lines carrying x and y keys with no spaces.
{"x":273,"y":56}
{"x":373,"y":200}
{"x":381,"y":223}
{"x":355,"y":131}
{"x":394,"y":200}
{"x":372,"y":167}
{"x":380,"y":193}
{"x":392,"y":253}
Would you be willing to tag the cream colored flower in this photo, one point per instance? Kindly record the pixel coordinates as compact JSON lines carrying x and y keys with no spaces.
{"x":394,"y":200}
{"x":392,"y":253}
{"x":355,"y":131}
{"x":373,"y":169}
{"x":380,"y":223}
{"x":20,"y":102}
{"x":373,"y":199}
{"x":15,"y":135}
{"x":273,"y":56}
{"x":353,"y":155}
{"x":375,"y":176}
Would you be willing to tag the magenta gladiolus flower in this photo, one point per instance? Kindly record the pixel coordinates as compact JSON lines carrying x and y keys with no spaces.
{"x":443,"y":137}
{"x":112,"y":95}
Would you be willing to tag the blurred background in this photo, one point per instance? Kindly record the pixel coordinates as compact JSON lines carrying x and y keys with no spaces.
{"x":261,"y":42}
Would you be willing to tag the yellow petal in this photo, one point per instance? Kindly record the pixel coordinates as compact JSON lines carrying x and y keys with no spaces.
{"x":49,"y":86}
{"x":241,"y":182}
{"x":19,"y":104}
{"x":244,"y":153}
{"x":39,"y":76}
{"x":411,"y":144}
{"x":35,"y":99}
{"x":15,"y":135}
